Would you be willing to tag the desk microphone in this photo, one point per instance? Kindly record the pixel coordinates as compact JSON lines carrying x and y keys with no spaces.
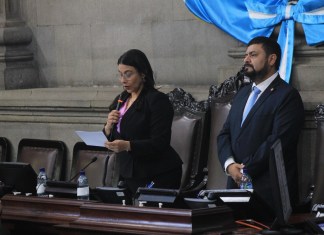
{"x":82,"y":169}
{"x":119,"y":102}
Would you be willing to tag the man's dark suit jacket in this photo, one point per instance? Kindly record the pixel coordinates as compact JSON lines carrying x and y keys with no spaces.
{"x":277,"y":114}
{"x":147,"y":125}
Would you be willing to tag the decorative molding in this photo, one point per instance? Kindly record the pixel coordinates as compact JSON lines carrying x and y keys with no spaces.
{"x":300,"y":51}
{"x":227,"y":89}
{"x":308,"y":51}
{"x":237,"y":52}
{"x":319,"y":112}
{"x":16,"y":55}
{"x":181,"y":99}
{"x":53,"y":115}
{"x":223,"y":92}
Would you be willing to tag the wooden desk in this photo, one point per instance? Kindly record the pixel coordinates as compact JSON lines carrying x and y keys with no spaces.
{"x":103,"y":218}
{"x":34,"y":215}
{"x":37,"y":215}
{"x":55,"y":216}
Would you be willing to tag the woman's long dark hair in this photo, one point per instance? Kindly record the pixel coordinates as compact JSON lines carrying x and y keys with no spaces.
{"x":139,"y":61}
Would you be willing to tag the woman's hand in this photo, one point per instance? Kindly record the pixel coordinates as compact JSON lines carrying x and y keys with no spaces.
{"x":112,"y":118}
{"x":118,"y":145}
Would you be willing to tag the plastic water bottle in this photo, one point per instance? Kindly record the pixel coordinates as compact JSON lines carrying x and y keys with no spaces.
{"x":246,"y":181}
{"x":41,"y":182}
{"x":83,"y":187}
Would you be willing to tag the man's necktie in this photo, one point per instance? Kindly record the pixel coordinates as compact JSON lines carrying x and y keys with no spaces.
{"x":251,"y":101}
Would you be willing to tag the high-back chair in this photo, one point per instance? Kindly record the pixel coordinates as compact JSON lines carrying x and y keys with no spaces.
{"x":112,"y":173}
{"x":94,"y":159}
{"x":189,"y":135}
{"x":306,"y":163}
{"x":318,"y":196}
{"x":220,"y":98}
{"x":219,"y":110}
{"x":4,"y":149}
{"x":50,"y":154}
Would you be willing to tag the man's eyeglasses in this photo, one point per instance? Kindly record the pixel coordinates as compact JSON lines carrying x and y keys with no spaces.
{"x":126,"y":75}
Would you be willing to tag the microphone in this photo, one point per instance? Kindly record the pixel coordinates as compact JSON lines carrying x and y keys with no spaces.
{"x":119,"y":102}
{"x":82,"y":169}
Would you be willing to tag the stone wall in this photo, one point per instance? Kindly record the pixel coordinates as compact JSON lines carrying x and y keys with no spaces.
{"x":17,"y":67}
{"x":76,"y":43}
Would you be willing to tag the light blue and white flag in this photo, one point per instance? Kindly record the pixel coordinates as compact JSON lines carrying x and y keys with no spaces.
{"x":246,"y":19}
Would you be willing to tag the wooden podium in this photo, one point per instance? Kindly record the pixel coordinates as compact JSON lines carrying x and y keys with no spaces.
{"x":37,"y":215}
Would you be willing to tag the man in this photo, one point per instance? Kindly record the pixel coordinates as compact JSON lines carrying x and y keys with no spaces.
{"x":278,"y":113}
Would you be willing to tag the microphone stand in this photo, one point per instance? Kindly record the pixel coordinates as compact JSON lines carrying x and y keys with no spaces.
{"x":82,"y":169}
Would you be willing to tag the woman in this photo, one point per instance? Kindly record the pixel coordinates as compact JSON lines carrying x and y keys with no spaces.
{"x":138,"y":128}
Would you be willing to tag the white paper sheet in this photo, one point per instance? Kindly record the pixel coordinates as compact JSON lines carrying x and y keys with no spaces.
{"x":93,"y":138}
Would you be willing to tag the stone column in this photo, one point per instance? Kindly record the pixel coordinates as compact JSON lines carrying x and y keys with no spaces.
{"x":17,"y":69}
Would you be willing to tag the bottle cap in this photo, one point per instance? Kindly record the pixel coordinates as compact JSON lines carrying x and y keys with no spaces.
{"x":42,"y":169}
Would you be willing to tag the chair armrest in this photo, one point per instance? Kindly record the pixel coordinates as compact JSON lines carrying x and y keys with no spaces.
{"x":193,"y":192}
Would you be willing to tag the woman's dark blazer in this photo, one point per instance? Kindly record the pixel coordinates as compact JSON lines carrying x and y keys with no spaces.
{"x":147,"y":125}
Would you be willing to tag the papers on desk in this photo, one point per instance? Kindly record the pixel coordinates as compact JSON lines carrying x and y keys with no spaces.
{"x":235,"y":199}
{"x":92,"y":138}
{"x":230,"y":195}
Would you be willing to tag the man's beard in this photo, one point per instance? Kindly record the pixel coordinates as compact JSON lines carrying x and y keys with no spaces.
{"x":250,"y":73}
{"x":256,"y":75}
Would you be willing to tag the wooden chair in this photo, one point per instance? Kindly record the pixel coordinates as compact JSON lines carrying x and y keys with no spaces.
{"x":219,"y":99}
{"x":190,"y":130}
{"x":50,"y":154}
{"x":219,"y":110}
